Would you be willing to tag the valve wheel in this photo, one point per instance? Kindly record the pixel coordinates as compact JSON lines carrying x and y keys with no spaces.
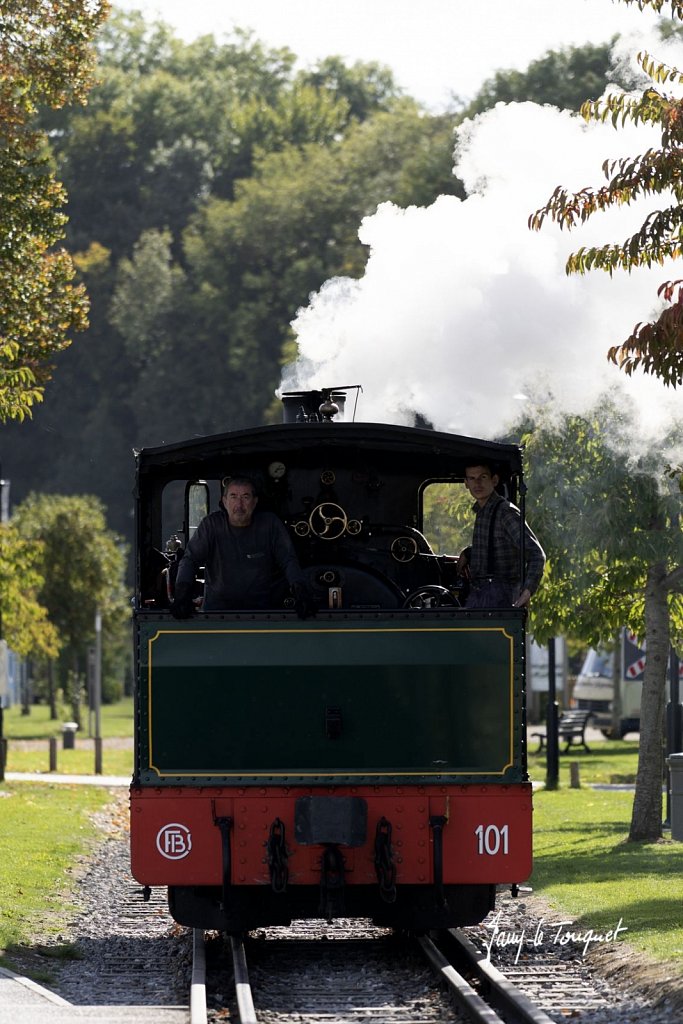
{"x":404,"y":549}
{"x":328,"y":521}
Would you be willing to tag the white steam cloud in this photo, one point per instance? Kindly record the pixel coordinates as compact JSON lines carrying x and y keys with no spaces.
{"x":462,"y":309}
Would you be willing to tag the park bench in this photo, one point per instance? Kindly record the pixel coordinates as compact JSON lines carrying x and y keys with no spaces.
{"x":571,"y":726}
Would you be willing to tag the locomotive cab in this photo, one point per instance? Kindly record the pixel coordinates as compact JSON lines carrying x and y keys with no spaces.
{"x":367,"y":761}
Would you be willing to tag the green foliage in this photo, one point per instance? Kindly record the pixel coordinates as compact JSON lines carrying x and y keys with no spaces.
{"x":253,"y":260}
{"x":365,"y":88}
{"x":146,"y":296}
{"x":655,"y":347}
{"x":213,"y":187}
{"x":447,"y":517}
{"x":604,"y":518}
{"x":81,"y":560}
{"x":25,"y":624}
{"x":45,"y":58}
{"x":82,"y":567}
{"x":564,"y":78}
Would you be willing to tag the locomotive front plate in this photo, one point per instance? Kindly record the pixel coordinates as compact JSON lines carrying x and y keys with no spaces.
{"x":449,"y":690}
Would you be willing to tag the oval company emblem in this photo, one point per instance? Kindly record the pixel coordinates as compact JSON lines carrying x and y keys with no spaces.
{"x":174,"y":841}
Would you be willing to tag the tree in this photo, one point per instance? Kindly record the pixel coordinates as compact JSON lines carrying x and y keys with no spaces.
{"x":655,"y":347}
{"x":611,"y":527}
{"x":243,"y":182}
{"x":45,"y":58}
{"x":254,"y":260}
{"x":146,"y":298}
{"x":366,"y":88}
{"x":82,"y":567}
{"x":25,"y":623}
{"x":565,"y":78}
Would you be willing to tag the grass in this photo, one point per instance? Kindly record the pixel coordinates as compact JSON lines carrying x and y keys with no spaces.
{"x":116,"y":720}
{"x":586,"y":869}
{"x":79,"y":761}
{"x":28,"y":741}
{"x":46,"y":832}
{"x":608,"y":761}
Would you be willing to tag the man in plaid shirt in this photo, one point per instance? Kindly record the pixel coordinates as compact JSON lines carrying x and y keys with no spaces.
{"x":492,"y":562}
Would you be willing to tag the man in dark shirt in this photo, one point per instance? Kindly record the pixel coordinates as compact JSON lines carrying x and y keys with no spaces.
{"x":493,"y":561}
{"x":242,"y":550}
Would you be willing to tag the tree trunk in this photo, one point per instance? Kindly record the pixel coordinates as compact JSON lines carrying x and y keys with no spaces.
{"x":52,"y":690}
{"x":646,"y":819}
{"x":76,"y":691}
{"x":25,"y":688}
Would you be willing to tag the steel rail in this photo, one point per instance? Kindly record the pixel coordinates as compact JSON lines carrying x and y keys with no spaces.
{"x":469,"y":1000}
{"x":198,"y":983}
{"x":245,"y":1002}
{"x":506,"y":996}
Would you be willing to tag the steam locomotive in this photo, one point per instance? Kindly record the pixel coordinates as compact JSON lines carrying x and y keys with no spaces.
{"x":369,"y":761}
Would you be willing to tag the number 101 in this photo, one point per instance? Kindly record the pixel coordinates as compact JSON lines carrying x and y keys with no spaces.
{"x":491,"y":840}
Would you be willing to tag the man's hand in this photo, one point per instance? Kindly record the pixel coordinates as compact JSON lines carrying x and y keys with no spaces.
{"x":523,"y":599}
{"x":304,"y":605}
{"x":182,"y":606}
{"x":463,"y":566}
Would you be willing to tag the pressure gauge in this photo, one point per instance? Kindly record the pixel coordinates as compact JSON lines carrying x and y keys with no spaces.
{"x":276,"y":470}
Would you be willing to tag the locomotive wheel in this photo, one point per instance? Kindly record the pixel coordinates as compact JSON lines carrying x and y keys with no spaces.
{"x":430,"y":596}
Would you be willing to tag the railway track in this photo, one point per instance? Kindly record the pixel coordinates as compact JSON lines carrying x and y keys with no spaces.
{"x":341,"y":976}
{"x":128,"y":955}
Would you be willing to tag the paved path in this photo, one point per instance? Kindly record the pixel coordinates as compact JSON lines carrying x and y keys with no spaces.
{"x":86,"y":780}
{"x":22,"y":1001}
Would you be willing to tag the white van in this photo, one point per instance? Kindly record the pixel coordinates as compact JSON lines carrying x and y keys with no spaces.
{"x":594,"y":689}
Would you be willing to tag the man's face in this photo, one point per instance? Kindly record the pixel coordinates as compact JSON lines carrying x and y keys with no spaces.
{"x":239,"y":501}
{"x":480,"y":483}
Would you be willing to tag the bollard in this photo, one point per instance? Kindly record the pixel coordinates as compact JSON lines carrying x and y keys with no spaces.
{"x":98,"y":755}
{"x":53,"y":753}
{"x":675,"y":763}
{"x":574,"y":781}
{"x":69,"y":735}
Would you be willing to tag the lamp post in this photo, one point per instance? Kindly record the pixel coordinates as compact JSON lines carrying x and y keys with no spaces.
{"x":97,"y":691}
{"x":4,"y":516}
{"x":674,"y":726}
{"x":552,"y":738}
